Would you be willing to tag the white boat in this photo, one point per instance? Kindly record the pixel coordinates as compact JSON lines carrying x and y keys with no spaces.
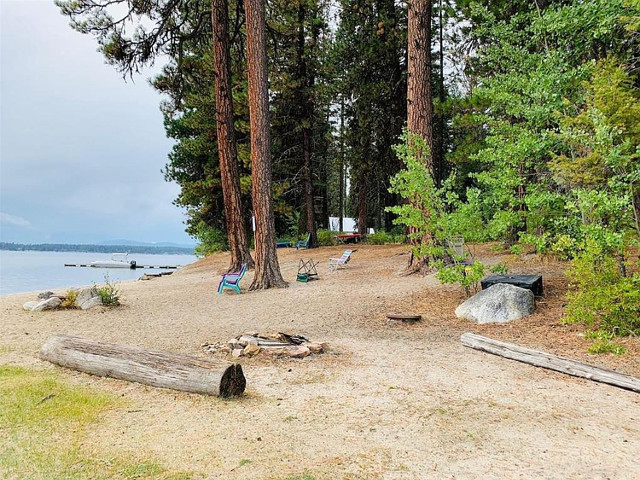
{"x":118,"y":260}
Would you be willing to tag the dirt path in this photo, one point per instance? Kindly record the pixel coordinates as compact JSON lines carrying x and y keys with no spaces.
{"x":386,"y":402}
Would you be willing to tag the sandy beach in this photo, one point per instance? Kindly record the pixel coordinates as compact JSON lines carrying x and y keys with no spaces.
{"x":386,"y":401}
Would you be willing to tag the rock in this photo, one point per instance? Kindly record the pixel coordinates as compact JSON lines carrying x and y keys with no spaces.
{"x":238,"y":352}
{"x":92,"y":302}
{"x":251,"y":349}
{"x":276,"y":351}
{"x":499,"y":303}
{"x":45,"y":295}
{"x":49,"y":304}
{"x":299,"y":351}
{"x":145,"y":277}
{"x":30,"y":306}
{"x":85,"y":294}
{"x":233,"y":344}
{"x":315,"y":347}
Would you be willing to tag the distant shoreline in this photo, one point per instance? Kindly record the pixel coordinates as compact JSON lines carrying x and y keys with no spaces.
{"x":69,"y":247}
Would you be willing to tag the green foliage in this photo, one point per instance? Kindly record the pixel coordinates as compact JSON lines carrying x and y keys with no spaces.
{"x":606,"y":346}
{"x":516,"y":249}
{"x":603,"y":343}
{"x":499,"y":268}
{"x":600,"y":295}
{"x":210,"y":240}
{"x":467,"y":276}
{"x":423,"y":207}
{"x":69,"y":299}
{"x":109,"y":293}
{"x":325,"y":238}
{"x":381,"y":238}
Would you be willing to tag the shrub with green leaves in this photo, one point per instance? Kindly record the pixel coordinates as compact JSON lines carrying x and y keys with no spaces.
{"x":109,"y":293}
{"x":467,"y":276}
{"x":600,"y":295}
{"x":325,"y":238}
{"x":380,"y":238}
{"x":69,"y":299}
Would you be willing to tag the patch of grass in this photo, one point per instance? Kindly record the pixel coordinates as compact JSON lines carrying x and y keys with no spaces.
{"x":243,"y":462}
{"x":304,"y":476}
{"x":607,"y":346}
{"x":290,"y":418}
{"x":43,"y":425}
{"x":603,"y":343}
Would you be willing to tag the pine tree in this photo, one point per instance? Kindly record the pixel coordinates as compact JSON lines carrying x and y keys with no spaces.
{"x":267,"y":273}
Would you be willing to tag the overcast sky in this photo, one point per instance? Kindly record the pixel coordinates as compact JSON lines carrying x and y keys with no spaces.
{"x":81,"y":150}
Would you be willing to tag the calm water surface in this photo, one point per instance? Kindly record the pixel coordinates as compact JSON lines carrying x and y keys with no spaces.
{"x":38,"y":271}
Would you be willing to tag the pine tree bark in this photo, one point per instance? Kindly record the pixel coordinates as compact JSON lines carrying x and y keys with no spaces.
{"x":267,"y":272}
{"x":307,"y":131}
{"x":341,"y":181}
{"x":419,"y":95}
{"x":439,"y":144}
{"x":227,"y":151}
{"x":362,"y":204}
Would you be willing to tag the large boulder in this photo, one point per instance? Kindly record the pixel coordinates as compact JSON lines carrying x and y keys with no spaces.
{"x":50,"y":304}
{"x":30,"y":305}
{"x":499,"y":303}
{"x":92,"y":302}
{"x":85,"y":294}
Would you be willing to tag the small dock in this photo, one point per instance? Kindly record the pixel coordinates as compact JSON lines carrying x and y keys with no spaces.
{"x":132,"y":267}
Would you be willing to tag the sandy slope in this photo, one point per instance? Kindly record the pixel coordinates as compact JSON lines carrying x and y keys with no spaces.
{"x":386,"y":401}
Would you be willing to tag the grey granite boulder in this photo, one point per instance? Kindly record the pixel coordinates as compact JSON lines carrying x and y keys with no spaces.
{"x":85,"y":294}
{"x":499,"y":303}
{"x":50,"y":304}
{"x":92,"y":302}
{"x":30,"y":305}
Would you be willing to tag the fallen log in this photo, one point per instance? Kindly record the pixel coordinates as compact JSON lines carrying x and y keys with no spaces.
{"x":404,"y":317}
{"x":150,"y":367}
{"x":550,"y":361}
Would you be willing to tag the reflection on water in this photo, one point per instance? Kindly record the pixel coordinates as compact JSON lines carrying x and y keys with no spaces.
{"x":37,"y":271}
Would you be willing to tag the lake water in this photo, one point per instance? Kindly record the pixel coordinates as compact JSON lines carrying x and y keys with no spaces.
{"x":39,"y":271}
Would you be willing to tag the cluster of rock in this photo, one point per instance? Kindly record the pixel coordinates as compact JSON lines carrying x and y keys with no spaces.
{"x":278,"y":344}
{"x":499,"y":303}
{"x":85,"y":298}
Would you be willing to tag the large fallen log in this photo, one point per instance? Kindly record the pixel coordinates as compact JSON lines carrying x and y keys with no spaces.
{"x":155,"y":368}
{"x":550,"y":361}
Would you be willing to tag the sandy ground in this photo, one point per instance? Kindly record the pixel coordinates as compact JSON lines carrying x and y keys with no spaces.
{"x":385,"y":402}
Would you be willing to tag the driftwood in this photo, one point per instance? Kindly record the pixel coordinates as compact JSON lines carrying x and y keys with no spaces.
{"x":405,"y":317}
{"x":550,"y":361}
{"x":155,"y":368}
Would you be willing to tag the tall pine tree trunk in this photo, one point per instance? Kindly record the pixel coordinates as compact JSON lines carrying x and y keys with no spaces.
{"x":307,"y":133}
{"x":419,"y":100}
{"x":439,"y":142}
{"x":267,"y":273}
{"x":362,"y":203}
{"x":341,"y":181}
{"x":227,"y":150}
{"x":419,"y":95}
